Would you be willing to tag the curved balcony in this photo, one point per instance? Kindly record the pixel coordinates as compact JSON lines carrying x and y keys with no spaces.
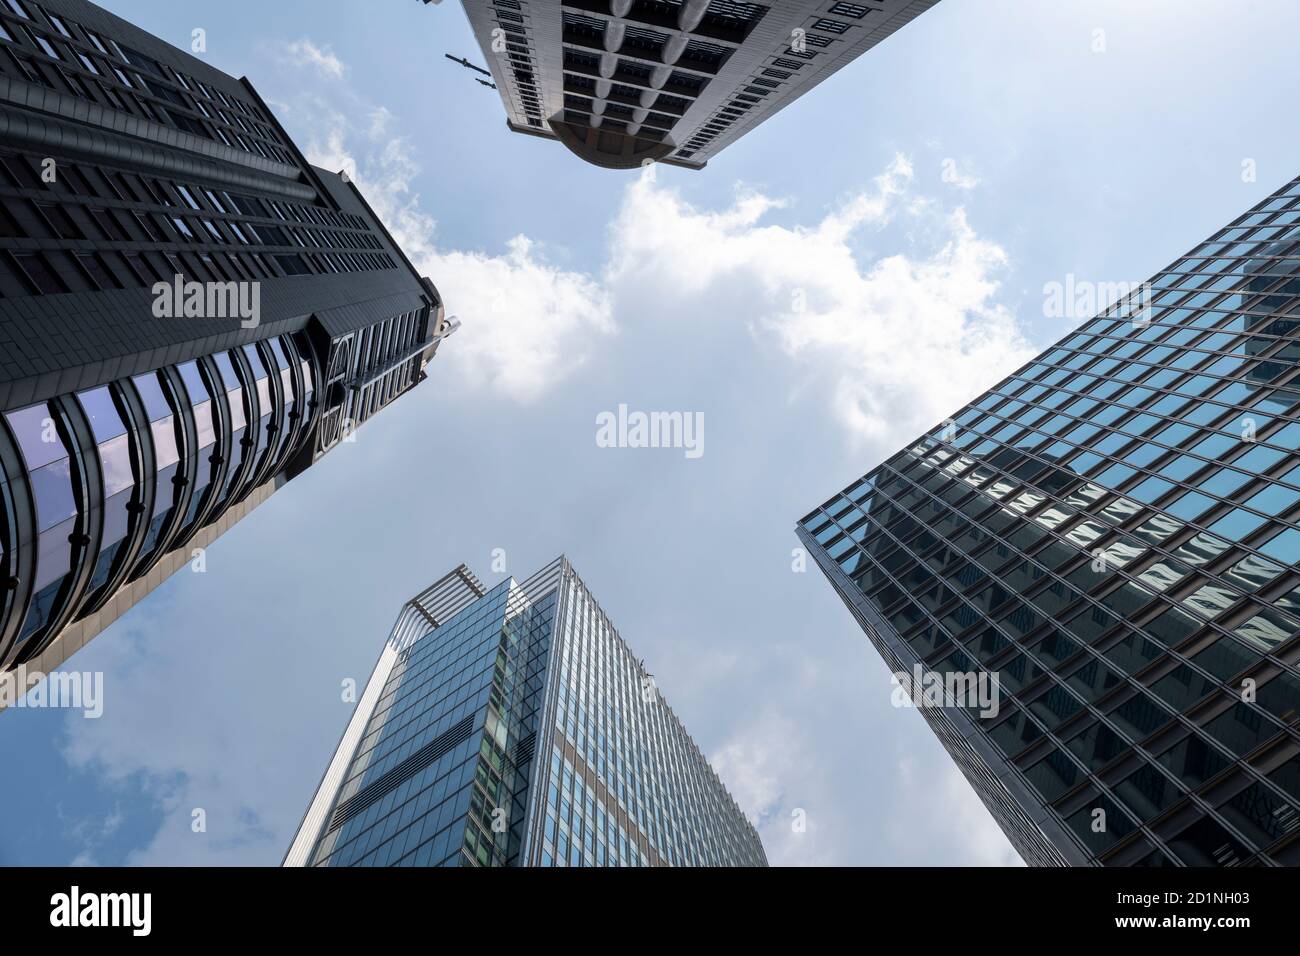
{"x":232,"y":393}
{"x":52,"y":546}
{"x":307,"y":372}
{"x":206,"y":418}
{"x":123,"y":453}
{"x":174,"y":463}
{"x":289,"y":374}
{"x":265,"y":389}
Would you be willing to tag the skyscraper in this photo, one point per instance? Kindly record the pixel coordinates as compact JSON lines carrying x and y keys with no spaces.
{"x":190,"y":315}
{"x":514,"y":727}
{"x":620,"y":82}
{"x":1112,"y":532}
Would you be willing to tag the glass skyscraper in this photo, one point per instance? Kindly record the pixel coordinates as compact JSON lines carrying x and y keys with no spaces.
{"x":1112,"y":532}
{"x":514,"y":727}
{"x":191,"y":314}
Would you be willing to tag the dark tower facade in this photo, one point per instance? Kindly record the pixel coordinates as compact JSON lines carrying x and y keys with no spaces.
{"x":190,"y":315}
{"x":623,"y":82}
{"x":1112,"y":532}
{"x":515,"y":727}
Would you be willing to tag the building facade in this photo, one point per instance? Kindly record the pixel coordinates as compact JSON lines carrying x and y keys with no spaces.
{"x":514,"y":727}
{"x":623,"y":82}
{"x":1112,"y":532}
{"x":190,"y":315}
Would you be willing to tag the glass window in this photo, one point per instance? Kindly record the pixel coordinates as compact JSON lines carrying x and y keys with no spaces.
{"x":1191,"y":505}
{"x":1150,"y":490}
{"x":201,"y":407}
{"x":164,"y":430}
{"x":1098,"y":745}
{"x":1253,"y":572}
{"x":1139,"y":716}
{"x":1201,"y":550}
{"x":1101,"y":823}
{"x":1053,"y":775}
{"x":1055,"y":706}
{"x":1207,"y":843}
{"x":1236,"y":524}
{"x":1285,"y":547}
{"x":1260,"y":814}
{"x":1241,"y":728}
{"x":49,"y":470}
{"x":1182,"y":687}
{"x":1193,"y":761}
{"x":118,"y":476}
{"x":1274,"y":500}
{"x":1147,"y":791}
{"x":1265,"y":631}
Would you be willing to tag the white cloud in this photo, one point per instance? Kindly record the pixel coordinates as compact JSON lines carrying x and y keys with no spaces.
{"x":926,"y":812}
{"x":953,"y":174}
{"x":773,"y":770}
{"x":172,"y":736}
{"x":321,"y":58}
{"x":380,"y":118}
{"x":945,"y":819}
{"x":900,"y":341}
{"x":526,"y":324}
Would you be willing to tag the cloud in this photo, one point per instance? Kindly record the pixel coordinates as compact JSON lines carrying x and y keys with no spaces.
{"x":772,"y":770}
{"x":897,"y":342}
{"x":870,"y":334}
{"x":952,"y":175}
{"x":941,"y":817}
{"x":805,"y":799}
{"x":527,"y":325}
{"x":89,"y":833}
{"x":323,"y":59}
{"x":178,"y":736}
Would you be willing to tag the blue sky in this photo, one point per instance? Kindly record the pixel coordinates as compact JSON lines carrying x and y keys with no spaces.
{"x":822,"y":294}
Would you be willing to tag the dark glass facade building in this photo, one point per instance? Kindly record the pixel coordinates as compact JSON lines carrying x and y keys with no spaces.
{"x":190,"y":315}
{"x":1112,"y":530}
{"x":620,"y":82}
{"x":514,"y":727}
